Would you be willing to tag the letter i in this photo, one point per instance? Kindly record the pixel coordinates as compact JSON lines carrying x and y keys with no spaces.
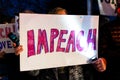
{"x":30,"y":43}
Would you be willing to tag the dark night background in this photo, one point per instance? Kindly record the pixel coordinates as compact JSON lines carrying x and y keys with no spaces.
{"x":12,"y":7}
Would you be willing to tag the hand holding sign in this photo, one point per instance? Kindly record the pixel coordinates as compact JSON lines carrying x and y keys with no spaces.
{"x":18,"y":49}
{"x":72,"y":39}
{"x":2,"y":54}
{"x":100,"y":64}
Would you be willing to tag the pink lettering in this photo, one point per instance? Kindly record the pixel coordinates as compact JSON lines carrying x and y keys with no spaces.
{"x":31,"y":46}
{"x":54,"y":34}
{"x":1,"y":33}
{"x":80,"y":34}
{"x":42,"y":41}
{"x":62,"y":32}
{"x":92,"y":38}
{"x":7,"y":30}
{"x":71,"y":41}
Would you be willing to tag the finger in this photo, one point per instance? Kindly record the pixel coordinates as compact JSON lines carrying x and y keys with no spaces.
{"x":14,"y":45}
{"x":101,"y":69}
{"x":100,"y":65}
{"x":18,"y":50}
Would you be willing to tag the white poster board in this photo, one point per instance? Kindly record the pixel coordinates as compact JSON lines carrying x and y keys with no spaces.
{"x":6,"y":44}
{"x":107,"y":7}
{"x":57,"y":40}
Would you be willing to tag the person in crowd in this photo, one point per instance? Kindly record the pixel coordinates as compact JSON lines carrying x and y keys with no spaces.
{"x":58,"y":10}
{"x":28,"y":11}
{"x":73,"y":72}
{"x":10,"y":62}
{"x":3,"y":67}
{"x":110,"y":47}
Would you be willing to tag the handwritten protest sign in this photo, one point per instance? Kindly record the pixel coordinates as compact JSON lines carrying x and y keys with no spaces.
{"x":57,"y":40}
{"x":107,"y":7}
{"x":5,"y":43}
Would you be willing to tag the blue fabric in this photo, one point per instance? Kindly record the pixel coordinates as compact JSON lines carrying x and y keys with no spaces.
{"x":11,"y":7}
